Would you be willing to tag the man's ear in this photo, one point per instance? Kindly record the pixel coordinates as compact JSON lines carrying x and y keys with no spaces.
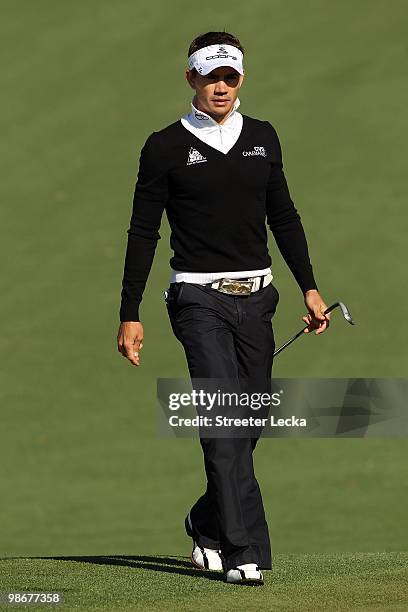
{"x":241,"y":80}
{"x":190,"y":78}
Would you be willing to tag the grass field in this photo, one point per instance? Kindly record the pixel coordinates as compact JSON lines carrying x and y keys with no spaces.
{"x":83,"y":472}
{"x":371,"y":581}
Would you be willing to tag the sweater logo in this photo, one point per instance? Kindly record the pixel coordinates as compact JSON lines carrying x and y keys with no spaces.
{"x":255,"y":151}
{"x":195,"y":157}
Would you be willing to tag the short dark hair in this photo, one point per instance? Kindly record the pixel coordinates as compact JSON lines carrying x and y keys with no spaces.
{"x":214,"y":38}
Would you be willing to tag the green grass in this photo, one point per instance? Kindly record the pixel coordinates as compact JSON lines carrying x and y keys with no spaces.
{"x":83,"y":471}
{"x":371,"y":581}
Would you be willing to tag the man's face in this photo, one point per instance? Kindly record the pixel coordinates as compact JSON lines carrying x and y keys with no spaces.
{"x":217,"y":91}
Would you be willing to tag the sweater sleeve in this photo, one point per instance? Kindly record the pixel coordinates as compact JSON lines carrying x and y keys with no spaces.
{"x":284,"y":222}
{"x":150,"y":197}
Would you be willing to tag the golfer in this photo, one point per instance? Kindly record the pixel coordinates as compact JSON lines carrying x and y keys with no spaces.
{"x":218,"y":174}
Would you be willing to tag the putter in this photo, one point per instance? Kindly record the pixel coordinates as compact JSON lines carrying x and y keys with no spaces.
{"x":345,"y":312}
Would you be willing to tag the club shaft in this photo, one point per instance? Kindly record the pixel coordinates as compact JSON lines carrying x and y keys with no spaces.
{"x":289,"y":341}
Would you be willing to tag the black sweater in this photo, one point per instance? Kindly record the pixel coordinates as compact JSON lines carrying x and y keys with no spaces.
{"x":216,"y":205}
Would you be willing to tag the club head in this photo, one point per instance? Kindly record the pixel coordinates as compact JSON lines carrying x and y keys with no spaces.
{"x":345,"y":311}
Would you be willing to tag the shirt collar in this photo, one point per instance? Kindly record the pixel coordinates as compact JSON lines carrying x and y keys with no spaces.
{"x":201,"y":120}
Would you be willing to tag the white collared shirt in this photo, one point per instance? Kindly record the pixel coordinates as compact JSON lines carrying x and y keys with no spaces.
{"x":221,"y":137}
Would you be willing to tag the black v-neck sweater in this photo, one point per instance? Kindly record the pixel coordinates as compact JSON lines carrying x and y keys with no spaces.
{"x":216,"y":205}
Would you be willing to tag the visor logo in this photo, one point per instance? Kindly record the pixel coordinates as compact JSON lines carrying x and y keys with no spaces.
{"x":221,"y":55}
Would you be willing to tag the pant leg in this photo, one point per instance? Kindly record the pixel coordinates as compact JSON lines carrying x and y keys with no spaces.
{"x":255,"y":345}
{"x":205,"y":331}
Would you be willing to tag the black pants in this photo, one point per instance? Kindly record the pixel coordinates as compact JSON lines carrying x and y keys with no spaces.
{"x":232,"y":337}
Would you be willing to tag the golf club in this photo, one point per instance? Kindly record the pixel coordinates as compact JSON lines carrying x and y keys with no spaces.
{"x":345,"y":312}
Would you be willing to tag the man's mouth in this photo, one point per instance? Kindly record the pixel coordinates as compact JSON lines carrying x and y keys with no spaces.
{"x":220,"y":101}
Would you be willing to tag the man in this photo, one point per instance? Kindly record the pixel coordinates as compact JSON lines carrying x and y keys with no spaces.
{"x":219,"y":176}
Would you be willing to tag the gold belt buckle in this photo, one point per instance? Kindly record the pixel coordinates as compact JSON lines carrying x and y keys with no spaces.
{"x":235,"y":287}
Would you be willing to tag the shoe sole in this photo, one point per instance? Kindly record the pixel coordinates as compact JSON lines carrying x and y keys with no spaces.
{"x":197,"y":565}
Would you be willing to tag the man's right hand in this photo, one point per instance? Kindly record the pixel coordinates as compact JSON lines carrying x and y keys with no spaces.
{"x":130,"y":340}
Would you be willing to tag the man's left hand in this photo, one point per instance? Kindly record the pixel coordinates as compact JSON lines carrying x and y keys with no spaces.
{"x":316,"y":307}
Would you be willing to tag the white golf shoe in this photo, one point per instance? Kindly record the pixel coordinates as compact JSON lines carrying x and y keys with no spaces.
{"x":206,"y":558}
{"x":249,"y":573}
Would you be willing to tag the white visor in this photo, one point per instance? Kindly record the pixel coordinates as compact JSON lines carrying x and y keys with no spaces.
{"x":208,"y":58}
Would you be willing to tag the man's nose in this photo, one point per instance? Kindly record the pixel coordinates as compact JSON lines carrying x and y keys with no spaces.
{"x":220,"y":87}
